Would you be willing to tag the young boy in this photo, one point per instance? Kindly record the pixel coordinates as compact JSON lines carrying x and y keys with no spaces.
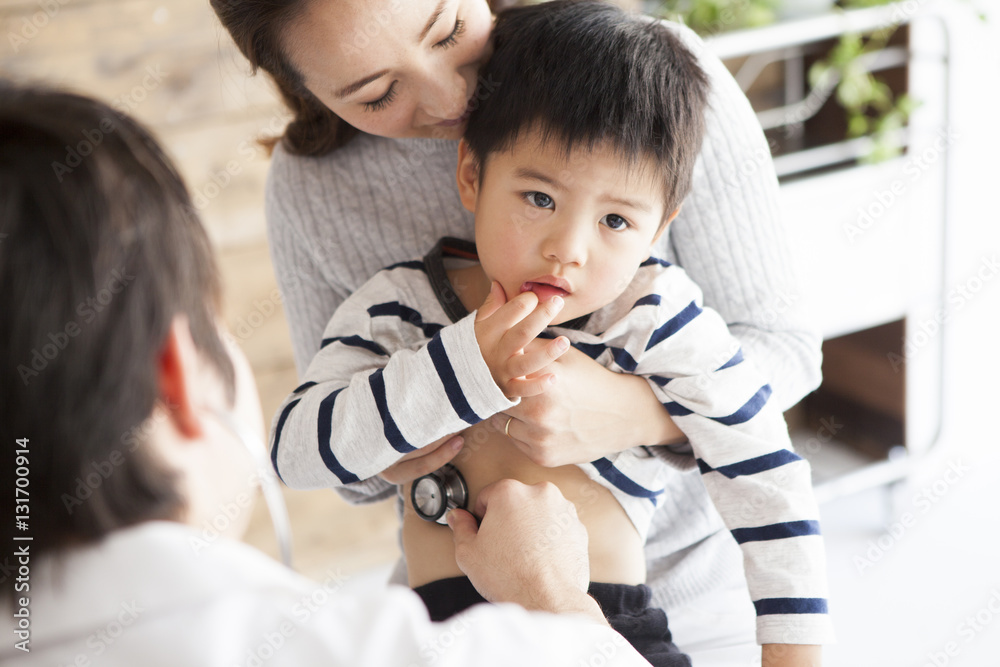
{"x":573,"y":167}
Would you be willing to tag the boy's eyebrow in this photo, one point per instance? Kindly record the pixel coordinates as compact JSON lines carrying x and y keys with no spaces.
{"x":631,"y":203}
{"x":528,"y":172}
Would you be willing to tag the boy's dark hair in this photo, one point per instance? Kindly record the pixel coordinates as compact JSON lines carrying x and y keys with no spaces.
{"x":100,"y":249}
{"x":586,"y":73}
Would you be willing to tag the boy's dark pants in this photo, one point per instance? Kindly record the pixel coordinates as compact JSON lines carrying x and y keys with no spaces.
{"x":626,"y":608}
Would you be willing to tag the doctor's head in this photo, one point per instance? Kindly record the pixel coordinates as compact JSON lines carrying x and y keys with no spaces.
{"x":114,"y":365}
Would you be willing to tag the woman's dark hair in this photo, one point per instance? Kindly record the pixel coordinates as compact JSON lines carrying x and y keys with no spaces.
{"x":256,"y":27}
{"x":584,"y":73}
{"x":100,"y":250}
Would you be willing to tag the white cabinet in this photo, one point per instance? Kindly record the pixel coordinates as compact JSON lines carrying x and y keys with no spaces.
{"x":871,"y":238}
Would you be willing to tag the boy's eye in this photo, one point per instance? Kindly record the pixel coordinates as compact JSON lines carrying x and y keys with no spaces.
{"x":615,"y":222}
{"x":539,"y":199}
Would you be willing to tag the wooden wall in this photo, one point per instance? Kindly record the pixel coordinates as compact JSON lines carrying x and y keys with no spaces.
{"x":171,"y":65}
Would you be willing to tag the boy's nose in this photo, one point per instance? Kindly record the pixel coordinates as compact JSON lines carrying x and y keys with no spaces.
{"x":566,"y":244}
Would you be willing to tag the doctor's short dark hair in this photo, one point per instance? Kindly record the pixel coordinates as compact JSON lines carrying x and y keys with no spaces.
{"x":586,"y":73}
{"x":100,"y":249}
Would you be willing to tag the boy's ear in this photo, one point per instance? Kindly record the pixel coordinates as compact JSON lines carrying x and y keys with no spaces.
{"x":663,"y":227}
{"x":467,"y":176}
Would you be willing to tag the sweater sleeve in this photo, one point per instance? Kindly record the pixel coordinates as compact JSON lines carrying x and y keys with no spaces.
{"x":760,"y":486}
{"x":369,"y":399}
{"x":731,"y":240}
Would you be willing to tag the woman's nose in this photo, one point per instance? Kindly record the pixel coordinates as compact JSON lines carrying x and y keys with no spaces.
{"x":445,"y":94}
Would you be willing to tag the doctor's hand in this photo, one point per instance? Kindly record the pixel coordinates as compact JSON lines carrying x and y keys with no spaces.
{"x":530,"y":548}
{"x":587,"y":413}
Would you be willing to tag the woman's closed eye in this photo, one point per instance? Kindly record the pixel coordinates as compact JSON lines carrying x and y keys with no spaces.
{"x":615,"y":222}
{"x":452,"y":39}
{"x":384,"y":101}
{"x":539,"y":199}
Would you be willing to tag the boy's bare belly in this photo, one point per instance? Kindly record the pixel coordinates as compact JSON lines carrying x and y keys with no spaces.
{"x":616,"y":552}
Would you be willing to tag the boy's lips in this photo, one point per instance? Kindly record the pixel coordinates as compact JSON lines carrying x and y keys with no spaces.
{"x":547,"y":287}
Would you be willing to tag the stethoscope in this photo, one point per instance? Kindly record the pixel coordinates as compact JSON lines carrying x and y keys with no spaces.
{"x":439,"y":492}
{"x":268,"y":482}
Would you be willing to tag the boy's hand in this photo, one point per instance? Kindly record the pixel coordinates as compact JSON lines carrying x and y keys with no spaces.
{"x":504,"y":329}
{"x":423,"y":461}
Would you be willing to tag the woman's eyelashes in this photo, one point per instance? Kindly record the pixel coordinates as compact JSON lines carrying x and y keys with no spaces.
{"x":390,"y":95}
{"x":384,"y":101}
{"x":539,"y":199}
{"x":452,"y":39}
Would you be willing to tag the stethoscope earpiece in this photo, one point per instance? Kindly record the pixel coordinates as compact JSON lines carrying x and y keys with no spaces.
{"x":435,"y":494}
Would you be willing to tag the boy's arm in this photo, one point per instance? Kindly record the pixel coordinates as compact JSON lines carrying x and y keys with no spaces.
{"x":367,"y":400}
{"x":762,"y":489}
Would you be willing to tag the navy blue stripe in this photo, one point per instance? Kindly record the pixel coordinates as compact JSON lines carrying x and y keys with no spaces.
{"x":389,"y":428}
{"x":676,"y":409}
{"x":592,"y":350}
{"x":655,"y":260}
{"x":659,"y":380}
{"x":450,"y":382}
{"x":674,"y":324}
{"x":776,"y":531}
{"x":609,"y":472}
{"x":356,"y":341}
{"x":623,"y":359}
{"x":303,"y":387}
{"x":737,"y":359}
{"x":405,"y":313}
{"x":411,"y":264}
{"x":648,"y":300}
{"x":325,"y":427}
{"x":754,"y":465}
{"x":790,"y":606}
{"x":749,"y":409}
{"x":277,"y":434}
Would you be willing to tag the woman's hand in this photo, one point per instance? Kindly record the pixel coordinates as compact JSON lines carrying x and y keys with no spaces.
{"x":587,"y":413}
{"x":424,"y":460}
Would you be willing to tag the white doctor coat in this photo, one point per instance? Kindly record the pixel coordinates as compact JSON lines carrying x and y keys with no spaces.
{"x":158,"y":594}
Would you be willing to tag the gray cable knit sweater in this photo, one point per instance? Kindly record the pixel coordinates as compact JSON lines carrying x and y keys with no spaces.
{"x":335,"y":220}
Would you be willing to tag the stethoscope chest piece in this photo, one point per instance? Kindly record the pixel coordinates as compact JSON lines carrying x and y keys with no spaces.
{"x":433,"y":495}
